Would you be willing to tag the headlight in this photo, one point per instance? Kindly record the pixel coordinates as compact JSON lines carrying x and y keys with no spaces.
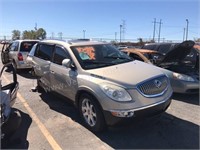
{"x":183,"y":77}
{"x":116,"y":93}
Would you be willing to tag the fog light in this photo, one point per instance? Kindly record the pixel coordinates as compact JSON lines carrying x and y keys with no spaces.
{"x":123,"y":113}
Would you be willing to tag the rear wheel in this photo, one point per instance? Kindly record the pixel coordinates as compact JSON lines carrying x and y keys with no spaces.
{"x":91,"y":113}
{"x":15,"y":66}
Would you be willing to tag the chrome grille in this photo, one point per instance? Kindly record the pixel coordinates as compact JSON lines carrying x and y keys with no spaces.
{"x":154,"y":87}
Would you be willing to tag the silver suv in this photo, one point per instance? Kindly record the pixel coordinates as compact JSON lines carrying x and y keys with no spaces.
{"x":105,"y":84}
{"x":16,"y":52}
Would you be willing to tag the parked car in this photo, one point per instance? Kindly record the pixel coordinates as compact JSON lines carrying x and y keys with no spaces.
{"x":10,"y":118}
{"x":184,"y":77}
{"x":105,"y":84}
{"x":16,"y":52}
{"x":121,"y":47}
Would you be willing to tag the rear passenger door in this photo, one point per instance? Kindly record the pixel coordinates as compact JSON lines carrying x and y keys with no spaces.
{"x":41,"y":62}
{"x":63,"y":79}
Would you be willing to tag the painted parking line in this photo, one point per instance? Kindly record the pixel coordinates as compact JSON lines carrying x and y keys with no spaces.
{"x":41,"y":126}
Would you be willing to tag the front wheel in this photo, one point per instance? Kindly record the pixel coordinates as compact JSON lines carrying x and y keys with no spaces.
{"x":91,"y":113}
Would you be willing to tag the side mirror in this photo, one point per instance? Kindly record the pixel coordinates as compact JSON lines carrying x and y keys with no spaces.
{"x":66,"y":63}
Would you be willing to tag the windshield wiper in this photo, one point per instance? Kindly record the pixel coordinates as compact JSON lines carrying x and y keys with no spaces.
{"x":114,"y":57}
{"x":98,"y":62}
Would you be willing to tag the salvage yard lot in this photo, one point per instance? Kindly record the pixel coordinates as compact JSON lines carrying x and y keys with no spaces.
{"x":49,"y":122}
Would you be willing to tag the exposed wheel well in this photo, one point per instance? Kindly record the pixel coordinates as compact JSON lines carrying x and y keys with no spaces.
{"x":79,"y":93}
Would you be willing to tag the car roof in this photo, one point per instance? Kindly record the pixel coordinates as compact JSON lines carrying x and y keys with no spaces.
{"x":25,"y":40}
{"x":72,"y":42}
{"x":164,"y":43}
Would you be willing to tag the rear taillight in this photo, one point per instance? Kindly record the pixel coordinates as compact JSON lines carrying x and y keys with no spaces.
{"x":20,"y":57}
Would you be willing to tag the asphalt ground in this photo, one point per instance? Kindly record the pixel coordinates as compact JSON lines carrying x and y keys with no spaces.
{"x":51,"y":122}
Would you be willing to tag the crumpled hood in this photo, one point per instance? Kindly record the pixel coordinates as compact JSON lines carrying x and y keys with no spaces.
{"x":179,"y":52}
{"x":126,"y":74}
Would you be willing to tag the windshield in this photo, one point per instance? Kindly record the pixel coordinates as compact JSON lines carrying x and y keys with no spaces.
{"x":96,"y":56}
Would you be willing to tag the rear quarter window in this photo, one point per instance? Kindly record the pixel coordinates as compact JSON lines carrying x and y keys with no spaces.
{"x":27,"y":46}
{"x":44,"y":51}
{"x":150,"y":47}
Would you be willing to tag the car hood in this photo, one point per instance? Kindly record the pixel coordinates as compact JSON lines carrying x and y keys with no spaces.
{"x":127,"y":74}
{"x":179,"y":52}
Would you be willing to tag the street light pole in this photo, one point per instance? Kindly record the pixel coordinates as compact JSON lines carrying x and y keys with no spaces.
{"x":183,"y":34}
{"x":84,"y":34}
{"x":120,"y":33}
{"x":187,"y":29}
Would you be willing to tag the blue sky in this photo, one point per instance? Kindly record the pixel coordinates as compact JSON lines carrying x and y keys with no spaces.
{"x":102,"y":18}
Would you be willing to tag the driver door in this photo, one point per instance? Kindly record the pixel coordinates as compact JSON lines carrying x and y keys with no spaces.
{"x":63,"y":80}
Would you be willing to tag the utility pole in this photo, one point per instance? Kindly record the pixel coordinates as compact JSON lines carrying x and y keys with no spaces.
{"x":154,"y":29}
{"x":35,"y":26}
{"x":84,"y":34}
{"x":123,"y":29}
{"x":115,"y":36}
{"x":52,"y":35}
{"x":120,"y":32}
{"x":60,"y":35}
{"x":183,"y":34}
{"x":159,"y":30}
{"x":187,"y":29}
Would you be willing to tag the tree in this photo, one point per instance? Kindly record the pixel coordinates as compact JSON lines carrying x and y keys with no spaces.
{"x":140,"y":41}
{"x":41,"y":33}
{"x":34,"y":34}
{"x":28,"y":34}
{"x":16,"y":34}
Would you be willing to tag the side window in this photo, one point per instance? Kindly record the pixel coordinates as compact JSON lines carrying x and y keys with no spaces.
{"x":14,"y":46}
{"x":165,"y":48}
{"x":44,"y":51}
{"x":59,"y":55}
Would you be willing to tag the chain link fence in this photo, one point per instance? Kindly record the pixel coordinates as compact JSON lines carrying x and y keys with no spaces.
{"x":9,"y":38}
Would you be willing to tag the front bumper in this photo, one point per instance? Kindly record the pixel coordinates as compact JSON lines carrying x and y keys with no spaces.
{"x":143,"y":112}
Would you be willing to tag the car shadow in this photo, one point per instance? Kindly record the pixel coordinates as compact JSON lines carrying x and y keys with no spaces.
{"x":19,"y":139}
{"x":61,"y":105}
{"x":26,"y":74}
{"x":163,"y":132}
{"x":187,"y":98}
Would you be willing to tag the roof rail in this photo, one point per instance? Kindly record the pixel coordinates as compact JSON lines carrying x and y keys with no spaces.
{"x":78,"y":40}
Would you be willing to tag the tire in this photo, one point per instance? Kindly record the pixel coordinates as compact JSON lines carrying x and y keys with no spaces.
{"x":39,"y":87}
{"x":91,"y":113}
{"x":15,"y":67}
